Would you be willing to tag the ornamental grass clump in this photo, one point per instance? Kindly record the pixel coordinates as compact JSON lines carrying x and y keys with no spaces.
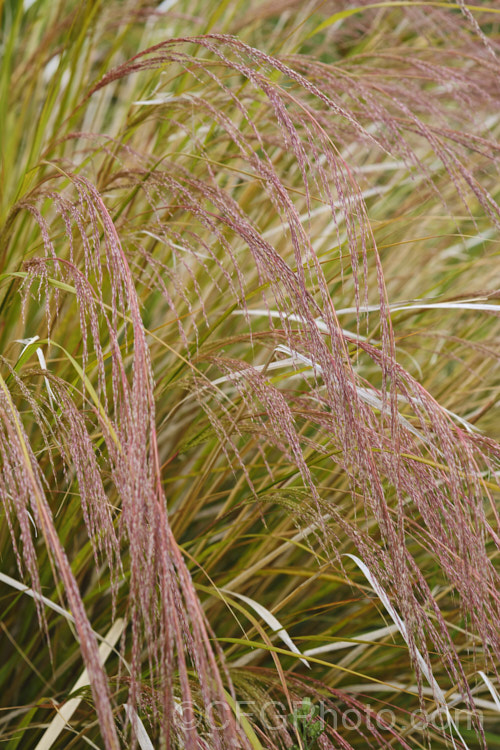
{"x":249,"y":380}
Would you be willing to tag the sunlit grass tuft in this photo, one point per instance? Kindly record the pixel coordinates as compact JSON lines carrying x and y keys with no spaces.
{"x":249,"y":334}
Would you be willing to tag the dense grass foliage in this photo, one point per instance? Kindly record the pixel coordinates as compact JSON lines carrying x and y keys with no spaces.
{"x":249,"y":374}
